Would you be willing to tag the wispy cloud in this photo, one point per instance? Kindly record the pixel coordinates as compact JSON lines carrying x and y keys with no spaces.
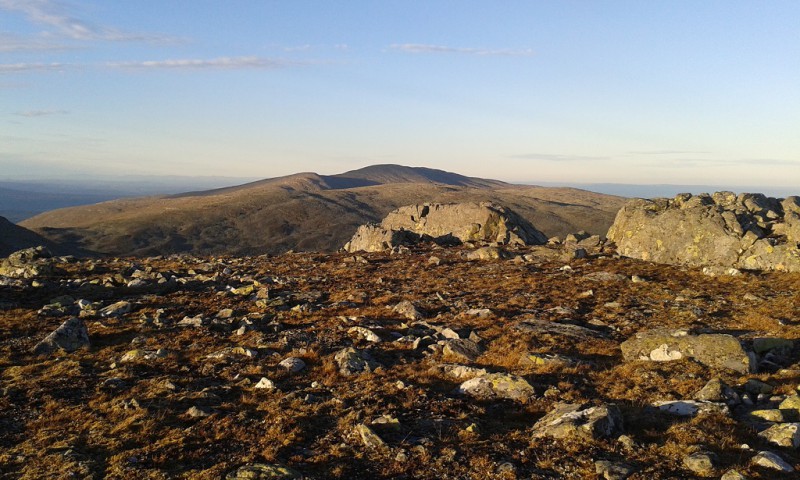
{"x":427,"y":48}
{"x":666,"y":152}
{"x":61,"y":21}
{"x":222,"y":63}
{"x":717,"y":162}
{"x":550,"y":157}
{"x":34,"y":67}
{"x":15,"y":43}
{"x":40,"y":113}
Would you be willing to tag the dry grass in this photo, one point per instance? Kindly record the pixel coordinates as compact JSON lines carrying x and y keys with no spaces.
{"x":75,"y":415}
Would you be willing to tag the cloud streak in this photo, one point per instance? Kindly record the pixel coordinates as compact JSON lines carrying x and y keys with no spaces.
{"x":557,"y":158}
{"x":55,"y":16}
{"x":704,"y":162}
{"x":34,"y":67}
{"x":40,"y":113}
{"x":222,"y":63}
{"x":442,"y":49}
{"x":13,"y":43}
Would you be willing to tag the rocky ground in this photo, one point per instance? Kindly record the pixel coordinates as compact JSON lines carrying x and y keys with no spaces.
{"x":417,"y":364}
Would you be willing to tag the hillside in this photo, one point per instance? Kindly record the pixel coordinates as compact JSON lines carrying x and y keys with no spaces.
{"x":418,"y":365}
{"x":13,"y":238}
{"x":304,"y":212}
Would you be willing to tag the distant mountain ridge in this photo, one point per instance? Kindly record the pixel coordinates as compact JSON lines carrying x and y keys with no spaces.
{"x":304,"y":211}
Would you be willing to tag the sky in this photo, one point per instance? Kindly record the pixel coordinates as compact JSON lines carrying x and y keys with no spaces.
{"x":638,"y":92}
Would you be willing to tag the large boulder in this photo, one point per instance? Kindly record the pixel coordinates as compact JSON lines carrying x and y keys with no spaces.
{"x":747,"y":231}
{"x":456,"y":222}
{"x":714,"y":350}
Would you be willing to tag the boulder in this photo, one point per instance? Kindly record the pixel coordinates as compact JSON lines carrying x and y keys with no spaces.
{"x":446,"y":223}
{"x":571,"y":420}
{"x":748,"y":231}
{"x":69,"y":336}
{"x":713,"y":350}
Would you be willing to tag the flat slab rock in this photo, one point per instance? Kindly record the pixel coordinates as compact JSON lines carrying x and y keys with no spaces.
{"x":558,"y":331}
{"x":714,"y":350}
{"x":572,"y":420}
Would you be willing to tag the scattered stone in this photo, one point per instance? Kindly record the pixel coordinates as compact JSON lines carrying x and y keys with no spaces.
{"x":717,"y":391}
{"x":772,"y":461}
{"x":264,"y":471}
{"x":386,"y":423}
{"x":497,"y":385}
{"x":196,"y":321}
{"x":369,"y":438}
{"x":116,"y":309}
{"x":700,"y":463}
{"x":462,"y":350}
{"x":199,"y":412}
{"x":783,"y":435}
{"x":792,"y":402}
{"x":714,"y":350}
{"x":613,"y":470}
{"x":459,"y":372}
{"x":571,"y":420}
{"x":408,"y":310}
{"x":292,"y":364}
{"x":540,"y":359}
{"x":230,"y":352}
{"x":690,"y":408}
{"x":265,"y":384}
{"x":486,"y":253}
{"x":449,"y":333}
{"x":756,"y":386}
{"x":69,"y":336}
{"x":732,"y":475}
{"x":351,"y":361}
{"x":365,"y":333}
{"x":769,"y":415}
{"x":479,"y":312}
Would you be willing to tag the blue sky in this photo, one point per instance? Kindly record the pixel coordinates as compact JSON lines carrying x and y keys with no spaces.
{"x":582,"y":91}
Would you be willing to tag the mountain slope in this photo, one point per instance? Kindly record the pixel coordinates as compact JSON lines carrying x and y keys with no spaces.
{"x":304,"y":212}
{"x":13,"y":238}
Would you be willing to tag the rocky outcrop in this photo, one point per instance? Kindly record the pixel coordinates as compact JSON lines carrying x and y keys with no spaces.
{"x":452,"y":223}
{"x":745,"y":231}
{"x":714,"y":350}
{"x":27,"y":263}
